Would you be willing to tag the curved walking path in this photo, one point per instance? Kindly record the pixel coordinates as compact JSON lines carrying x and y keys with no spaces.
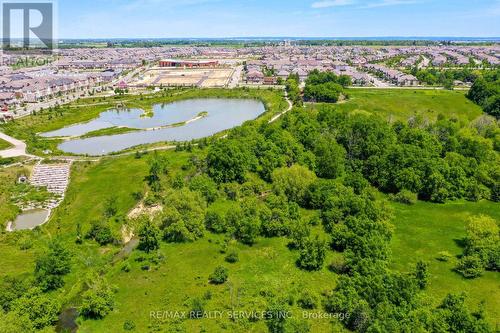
{"x":290,"y":106}
{"x":19,"y":148}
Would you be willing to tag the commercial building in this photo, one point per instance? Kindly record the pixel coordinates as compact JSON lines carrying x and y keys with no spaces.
{"x":189,"y":63}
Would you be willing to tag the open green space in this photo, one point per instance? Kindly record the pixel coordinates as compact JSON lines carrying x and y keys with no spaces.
{"x":424,"y":230}
{"x":248,"y":195}
{"x":400,"y":104}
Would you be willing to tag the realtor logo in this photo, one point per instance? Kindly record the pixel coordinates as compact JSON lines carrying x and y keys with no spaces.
{"x":27,"y":25}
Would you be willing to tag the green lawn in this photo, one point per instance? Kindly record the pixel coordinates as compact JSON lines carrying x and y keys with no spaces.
{"x":394,"y":104}
{"x":424,"y":230}
{"x":4,"y":144}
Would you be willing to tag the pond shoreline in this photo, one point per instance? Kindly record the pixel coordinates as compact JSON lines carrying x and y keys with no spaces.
{"x":12,"y":225}
{"x":208,"y":116}
{"x":86,"y":136}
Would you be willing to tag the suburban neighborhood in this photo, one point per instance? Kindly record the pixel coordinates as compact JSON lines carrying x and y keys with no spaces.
{"x":80,"y":72}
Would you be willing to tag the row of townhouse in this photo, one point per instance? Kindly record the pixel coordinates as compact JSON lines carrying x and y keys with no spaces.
{"x":31,"y":90}
{"x":122,"y":64}
{"x":393,"y":76}
{"x":492,"y":59}
{"x":458,"y":58}
{"x":9,"y":99}
{"x":357,"y":78}
{"x":302,"y":68}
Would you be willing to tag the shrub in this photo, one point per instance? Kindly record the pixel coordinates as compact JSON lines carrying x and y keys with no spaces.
{"x":405,"y":197}
{"x":293,"y":182}
{"x":205,"y":186}
{"x":338,"y":265}
{"x":215,"y":222}
{"x":197,"y":309}
{"x":41,"y":309}
{"x":110,"y":207}
{"x":470,"y":266}
{"x":126,"y":267}
{"x":444,"y":256}
{"x":232,"y":191}
{"x":422,"y":274}
{"x":483,"y":239}
{"x":150,"y":200}
{"x":128,"y":325}
{"x":208,"y":295}
{"x":52,"y":266}
{"x":308,"y":300}
{"x":219,"y":276}
{"x":183,"y":217}
{"x":312,"y":255}
{"x":25,"y":243}
{"x":247,"y":229}
{"x":232,"y":257}
{"x":101,"y":233}
{"x":149,"y":237}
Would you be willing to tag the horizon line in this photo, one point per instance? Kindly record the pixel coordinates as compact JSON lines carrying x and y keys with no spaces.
{"x":285,"y":37}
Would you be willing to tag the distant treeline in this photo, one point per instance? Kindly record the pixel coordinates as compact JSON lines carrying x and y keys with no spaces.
{"x":264,"y":42}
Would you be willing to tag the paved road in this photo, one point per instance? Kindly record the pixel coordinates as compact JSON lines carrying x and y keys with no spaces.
{"x":236,"y":77}
{"x":377,"y":82}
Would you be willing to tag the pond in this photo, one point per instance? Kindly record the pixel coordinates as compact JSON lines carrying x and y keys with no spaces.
{"x":219,"y":115}
{"x":30,"y":219}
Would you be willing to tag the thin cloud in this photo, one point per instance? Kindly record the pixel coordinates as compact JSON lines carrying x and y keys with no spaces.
{"x":386,"y":3}
{"x":137,"y":4}
{"x":331,"y":3}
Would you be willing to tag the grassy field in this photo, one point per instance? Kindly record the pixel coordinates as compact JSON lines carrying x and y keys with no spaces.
{"x":267,"y":268}
{"x":394,"y":104}
{"x":4,"y":144}
{"x":424,"y":230}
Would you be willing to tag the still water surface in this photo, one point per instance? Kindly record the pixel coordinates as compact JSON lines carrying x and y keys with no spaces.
{"x":223,"y":114}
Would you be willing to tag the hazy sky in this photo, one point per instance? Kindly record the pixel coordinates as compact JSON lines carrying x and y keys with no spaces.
{"x":301,"y":18}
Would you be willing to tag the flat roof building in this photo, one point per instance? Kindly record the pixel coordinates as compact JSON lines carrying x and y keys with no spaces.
{"x":189,"y":63}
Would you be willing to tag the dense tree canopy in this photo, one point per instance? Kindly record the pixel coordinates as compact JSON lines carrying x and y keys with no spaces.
{"x":98,"y":299}
{"x":325,"y":86}
{"x":486,"y":93}
{"x":52,"y":265}
{"x":183,"y":217}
